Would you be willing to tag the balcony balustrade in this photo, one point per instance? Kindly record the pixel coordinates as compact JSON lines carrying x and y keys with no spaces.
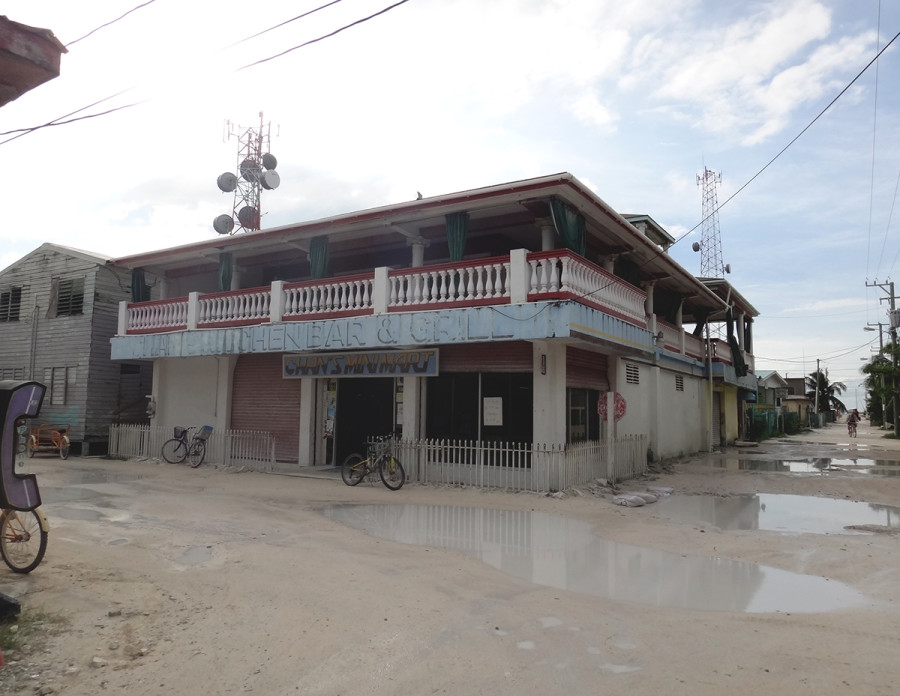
{"x":518,"y":278}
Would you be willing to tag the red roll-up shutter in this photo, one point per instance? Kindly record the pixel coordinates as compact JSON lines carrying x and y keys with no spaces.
{"x":586,"y":370}
{"x":502,"y":356}
{"x":263,"y":400}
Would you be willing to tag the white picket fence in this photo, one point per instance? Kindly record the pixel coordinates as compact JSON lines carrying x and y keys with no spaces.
{"x":252,"y":450}
{"x":521,"y":466}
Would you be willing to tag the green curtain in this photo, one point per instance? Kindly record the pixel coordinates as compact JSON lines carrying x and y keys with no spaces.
{"x":457,"y":225}
{"x":226,"y":264}
{"x":569,"y":225}
{"x":140,"y":291}
{"x":318,"y":257}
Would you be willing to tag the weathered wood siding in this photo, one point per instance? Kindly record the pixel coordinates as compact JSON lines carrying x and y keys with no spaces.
{"x":38,"y":341}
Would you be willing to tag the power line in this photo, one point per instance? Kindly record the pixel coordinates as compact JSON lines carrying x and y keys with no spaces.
{"x":58,"y":121}
{"x":113,"y":21}
{"x":281,"y":24}
{"x":323,"y":37}
{"x":794,"y":139}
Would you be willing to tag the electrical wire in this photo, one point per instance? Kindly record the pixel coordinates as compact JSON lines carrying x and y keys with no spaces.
{"x":323,"y":37}
{"x":58,"y":121}
{"x":113,"y":21}
{"x":793,"y":140}
{"x":278,"y":26}
{"x":872,"y":172}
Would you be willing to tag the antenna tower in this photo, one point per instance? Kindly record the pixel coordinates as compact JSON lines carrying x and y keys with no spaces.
{"x":255,"y":171}
{"x":711,"y":264}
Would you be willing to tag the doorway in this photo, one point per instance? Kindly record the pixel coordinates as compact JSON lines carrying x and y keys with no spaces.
{"x":365,"y":408}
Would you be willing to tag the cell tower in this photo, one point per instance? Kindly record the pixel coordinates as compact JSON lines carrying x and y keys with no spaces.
{"x":710,"y":244}
{"x":255,"y":171}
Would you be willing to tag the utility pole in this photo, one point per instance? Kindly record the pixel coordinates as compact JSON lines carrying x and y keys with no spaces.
{"x":893,"y":324}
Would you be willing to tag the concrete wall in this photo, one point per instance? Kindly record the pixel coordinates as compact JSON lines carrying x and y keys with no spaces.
{"x":192,"y":391}
{"x":673,"y":420}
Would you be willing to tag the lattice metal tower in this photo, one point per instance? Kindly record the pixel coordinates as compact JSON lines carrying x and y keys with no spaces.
{"x":711,"y":263}
{"x":255,"y":171}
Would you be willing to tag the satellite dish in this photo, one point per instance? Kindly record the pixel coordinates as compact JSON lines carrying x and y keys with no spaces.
{"x":269,"y":161}
{"x":695,"y":246}
{"x":227,"y":182}
{"x":270,"y":180}
{"x":728,"y":268}
{"x":250,"y":170}
{"x":223,"y":224}
{"x":249,"y":217}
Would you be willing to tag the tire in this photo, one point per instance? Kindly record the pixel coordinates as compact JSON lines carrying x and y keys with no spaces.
{"x":392,"y":474}
{"x":22,"y":540}
{"x":197,"y":453}
{"x":174,"y":451}
{"x":64,"y":447}
{"x":353,"y":470}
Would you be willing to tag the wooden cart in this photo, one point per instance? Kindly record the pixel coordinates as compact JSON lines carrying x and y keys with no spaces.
{"x":49,"y":438}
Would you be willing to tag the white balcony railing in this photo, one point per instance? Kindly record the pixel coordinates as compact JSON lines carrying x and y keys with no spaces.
{"x":517,"y":278}
{"x":564,"y":273}
{"x":486,"y":282}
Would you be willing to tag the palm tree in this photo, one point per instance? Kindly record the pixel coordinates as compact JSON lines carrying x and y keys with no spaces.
{"x":827,"y":400}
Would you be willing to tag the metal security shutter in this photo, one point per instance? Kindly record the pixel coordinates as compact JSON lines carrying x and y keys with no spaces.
{"x":263,"y":400}
{"x":586,"y":370}
{"x":502,"y":356}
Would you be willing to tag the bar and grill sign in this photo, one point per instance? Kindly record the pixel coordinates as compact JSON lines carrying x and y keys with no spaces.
{"x":378,"y":363}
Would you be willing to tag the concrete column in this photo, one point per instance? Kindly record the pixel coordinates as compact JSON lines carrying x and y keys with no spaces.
{"x":549,"y":387}
{"x":308,"y":421}
{"x":235,"y":278}
{"x":648,"y":307}
{"x":739,"y":327}
{"x":276,"y":303}
{"x":122,"y":326}
{"x":381,"y":290}
{"x":519,"y":276}
{"x":411,"y":422}
{"x":193,"y":311}
{"x":418,"y":251}
{"x":163,"y":288}
{"x":548,"y":233}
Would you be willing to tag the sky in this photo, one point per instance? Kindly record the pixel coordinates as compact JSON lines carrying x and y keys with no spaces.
{"x":633,"y":98}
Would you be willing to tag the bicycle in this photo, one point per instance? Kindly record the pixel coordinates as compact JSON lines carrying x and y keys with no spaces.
{"x":23,"y":538}
{"x":180,"y":447}
{"x":851,"y":428}
{"x":380,"y":459}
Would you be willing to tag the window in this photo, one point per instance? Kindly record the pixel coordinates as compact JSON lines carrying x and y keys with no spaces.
{"x":60,"y":382}
{"x":632,"y":374}
{"x":69,"y":297}
{"x":17,"y":373}
{"x":10,"y":303}
{"x":679,"y":382}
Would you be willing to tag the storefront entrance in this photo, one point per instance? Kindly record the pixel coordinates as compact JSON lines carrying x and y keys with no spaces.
{"x":365,"y":408}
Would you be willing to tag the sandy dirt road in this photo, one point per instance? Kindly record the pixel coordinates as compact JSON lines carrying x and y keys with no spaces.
{"x":179,"y":581}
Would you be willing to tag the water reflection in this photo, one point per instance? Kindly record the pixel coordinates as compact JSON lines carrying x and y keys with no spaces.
{"x":788,"y":514}
{"x":564,"y":553}
{"x":817,"y":465}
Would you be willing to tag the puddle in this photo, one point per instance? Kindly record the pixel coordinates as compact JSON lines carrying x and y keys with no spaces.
{"x":788,"y":514}
{"x":820,"y":465}
{"x":564,"y":553}
{"x":195,"y":556}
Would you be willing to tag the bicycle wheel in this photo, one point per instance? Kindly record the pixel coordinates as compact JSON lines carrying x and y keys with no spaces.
{"x":197,"y":453}
{"x":64,"y":447}
{"x":354,"y":469}
{"x":22,"y":540}
{"x":391,"y":471}
{"x":174,"y":451}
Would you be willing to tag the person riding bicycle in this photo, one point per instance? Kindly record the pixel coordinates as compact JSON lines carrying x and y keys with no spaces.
{"x":852,"y":420}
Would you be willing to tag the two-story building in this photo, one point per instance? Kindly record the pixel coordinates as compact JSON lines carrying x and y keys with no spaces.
{"x":515,"y":312}
{"x":58,"y":310}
